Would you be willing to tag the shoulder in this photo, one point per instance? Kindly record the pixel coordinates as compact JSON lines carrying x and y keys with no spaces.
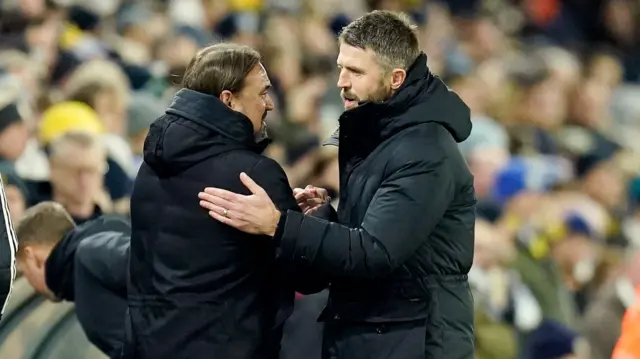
{"x":419,"y":145}
{"x":266,"y":166}
{"x":269,"y":175}
{"x":102,"y":245}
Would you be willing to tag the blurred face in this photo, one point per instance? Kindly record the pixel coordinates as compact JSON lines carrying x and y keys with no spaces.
{"x":492,"y":246}
{"x":13,"y":141}
{"x":547,"y":104}
{"x":137,"y":142}
{"x":485,"y":164}
{"x":112,"y":110}
{"x":16,"y":202}
{"x":605,"y":184}
{"x":577,"y":256}
{"x":77,"y":173}
{"x":253,"y":100}
{"x":363,"y":79}
{"x":31,"y":263}
{"x":591,"y":103}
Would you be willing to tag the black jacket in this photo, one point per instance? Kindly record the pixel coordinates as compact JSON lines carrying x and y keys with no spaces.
{"x":199,"y":288}
{"x":403,"y":245}
{"x":89,"y":267}
{"x":8,"y":248}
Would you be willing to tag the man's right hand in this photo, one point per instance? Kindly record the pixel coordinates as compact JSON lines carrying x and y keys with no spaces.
{"x":311,"y":198}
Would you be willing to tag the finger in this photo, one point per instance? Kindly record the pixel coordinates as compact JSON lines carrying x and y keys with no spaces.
{"x":311,"y":189}
{"x":224,"y":194}
{"x":220,"y":210}
{"x":312,"y":202}
{"x":226,"y":220}
{"x":322,"y":193}
{"x":304,"y":196}
{"x":310,"y":211}
{"x":220,"y":202}
{"x":297,"y":190}
{"x":250,"y":184}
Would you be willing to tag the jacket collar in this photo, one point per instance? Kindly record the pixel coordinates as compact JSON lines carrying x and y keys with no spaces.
{"x":59,"y":267}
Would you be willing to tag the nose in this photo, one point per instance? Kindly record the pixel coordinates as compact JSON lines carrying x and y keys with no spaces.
{"x":268,"y":103}
{"x":84,"y":180}
{"x":343,"y":80}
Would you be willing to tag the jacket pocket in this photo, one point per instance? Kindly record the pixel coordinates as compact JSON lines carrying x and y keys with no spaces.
{"x":390,"y":340}
{"x":403,"y":329}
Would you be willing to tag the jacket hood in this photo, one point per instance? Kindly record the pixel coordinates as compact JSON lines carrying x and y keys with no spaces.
{"x":196,"y":126}
{"x":422,"y":98}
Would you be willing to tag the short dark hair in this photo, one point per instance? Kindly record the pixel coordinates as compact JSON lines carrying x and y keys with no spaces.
{"x":220,"y":67}
{"x":392,"y":36}
{"x":43,"y":224}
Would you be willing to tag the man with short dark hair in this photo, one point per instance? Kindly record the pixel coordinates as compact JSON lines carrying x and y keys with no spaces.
{"x":84,"y":264}
{"x":199,"y":289}
{"x":400,"y":246}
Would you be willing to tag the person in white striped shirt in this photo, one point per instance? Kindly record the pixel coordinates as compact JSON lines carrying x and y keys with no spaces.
{"x":8,"y":248}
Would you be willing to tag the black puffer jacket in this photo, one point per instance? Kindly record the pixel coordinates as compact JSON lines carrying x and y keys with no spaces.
{"x":89,"y":267}
{"x":8,"y":248}
{"x":403,"y":245}
{"x":199,"y":288}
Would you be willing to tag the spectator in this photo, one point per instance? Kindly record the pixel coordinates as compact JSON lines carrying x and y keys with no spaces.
{"x":14,"y":132}
{"x":78,"y":163}
{"x":552,"y":340}
{"x":603,"y":318}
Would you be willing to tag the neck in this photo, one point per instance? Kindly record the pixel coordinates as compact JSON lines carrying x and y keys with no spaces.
{"x":76,"y":209}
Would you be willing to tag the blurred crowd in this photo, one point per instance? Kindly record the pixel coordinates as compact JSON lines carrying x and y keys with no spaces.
{"x":555,"y":148}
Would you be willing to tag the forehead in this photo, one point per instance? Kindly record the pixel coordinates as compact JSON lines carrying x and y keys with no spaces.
{"x":75,"y":153}
{"x":257,"y":77}
{"x":357,"y":57}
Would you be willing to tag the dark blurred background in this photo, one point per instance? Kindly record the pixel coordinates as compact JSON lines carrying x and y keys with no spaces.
{"x":555,"y":149}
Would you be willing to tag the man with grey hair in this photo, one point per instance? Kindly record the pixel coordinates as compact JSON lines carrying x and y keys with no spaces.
{"x":400,"y":246}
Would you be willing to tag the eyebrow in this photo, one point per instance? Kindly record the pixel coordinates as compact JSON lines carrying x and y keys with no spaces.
{"x":352,"y":68}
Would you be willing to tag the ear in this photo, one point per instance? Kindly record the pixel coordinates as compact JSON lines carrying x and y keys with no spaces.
{"x":33,"y":256}
{"x":397,"y":78}
{"x":28,"y":254}
{"x":226,"y":97}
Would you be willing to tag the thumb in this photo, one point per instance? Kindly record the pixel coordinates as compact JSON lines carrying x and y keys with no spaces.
{"x":250,"y":184}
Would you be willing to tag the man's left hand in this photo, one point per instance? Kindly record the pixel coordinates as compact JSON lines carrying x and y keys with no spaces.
{"x":254,"y":214}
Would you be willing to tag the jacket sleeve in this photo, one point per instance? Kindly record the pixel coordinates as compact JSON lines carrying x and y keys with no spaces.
{"x":271,"y":177}
{"x":105,"y":256}
{"x":326,"y":212}
{"x":8,"y":249}
{"x":401,"y":216}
